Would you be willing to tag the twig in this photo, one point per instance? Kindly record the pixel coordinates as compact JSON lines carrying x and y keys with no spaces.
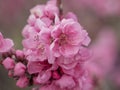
{"x":59,"y":4}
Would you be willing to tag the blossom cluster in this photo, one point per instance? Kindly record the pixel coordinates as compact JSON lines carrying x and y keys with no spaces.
{"x":54,"y":51}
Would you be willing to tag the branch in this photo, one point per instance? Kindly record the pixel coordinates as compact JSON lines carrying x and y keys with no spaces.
{"x":59,"y":4}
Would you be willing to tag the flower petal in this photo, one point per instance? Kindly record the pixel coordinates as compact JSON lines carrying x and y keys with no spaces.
{"x":69,"y":50}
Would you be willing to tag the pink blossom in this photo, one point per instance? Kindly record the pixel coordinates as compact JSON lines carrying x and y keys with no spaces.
{"x":76,"y":72}
{"x":49,"y":10}
{"x":65,"y":82}
{"x":19,"y":69}
{"x":22,"y":82}
{"x":71,"y":15}
{"x":37,"y":66}
{"x":54,"y":51}
{"x":68,"y":83}
{"x":31,"y":40}
{"x":38,"y":10}
{"x":45,"y":36}
{"x":68,"y":36}
{"x":5,"y":44}
{"x":44,"y":22}
{"x":43,"y":78}
{"x":32,"y":20}
{"x":27,"y":31}
{"x":8,"y":63}
{"x":19,"y":54}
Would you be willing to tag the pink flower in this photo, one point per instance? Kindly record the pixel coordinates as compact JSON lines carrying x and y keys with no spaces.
{"x":45,"y":36}
{"x":69,"y":83}
{"x":67,"y":63}
{"x":66,"y":82}
{"x":8,"y":63}
{"x":43,"y":78}
{"x":19,"y":54}
{"x":27,"y":31}
{"x":38,"y":10}
{"x":19,"y":69}
{"x":44,"y":22}
{"x":71,"y":15}
{"x":69,"y":36}
{"x":47,"y":39}
{"x":5,"y":44}
{"x":54,"y":51}
{"x":32,"y":20}
{"x":31,"y":37}
{"x":34,"y":67}
{"x":49,"y":10}
{"x":22,"y":82}
{"x":76,"y":72}
{"x":37,"y":66}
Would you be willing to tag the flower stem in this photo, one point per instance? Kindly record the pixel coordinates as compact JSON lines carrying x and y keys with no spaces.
{"x":59,"y":4}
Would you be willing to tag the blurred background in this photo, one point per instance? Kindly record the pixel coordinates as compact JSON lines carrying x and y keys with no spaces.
{"x":101,"y":18}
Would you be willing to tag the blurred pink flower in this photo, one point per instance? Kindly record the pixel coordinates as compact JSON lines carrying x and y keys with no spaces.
{"x":5,"y":44}
{"x":104,"y":54}
{"x":101,"y":7}
{"x":115,"y":77}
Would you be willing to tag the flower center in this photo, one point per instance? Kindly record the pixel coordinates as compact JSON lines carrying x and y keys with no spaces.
{"x":57,"y":74}
{"x":36,"y":38}
{"x":41,"y":49}
{"x":62,"y":39}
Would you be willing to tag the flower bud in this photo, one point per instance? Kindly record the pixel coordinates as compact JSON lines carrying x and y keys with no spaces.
{"x":10,"y":73}
{"x":19,"y":69}
{"x":19,"y":54}
{"x":22,"y":82}
{"x":8,"y":63}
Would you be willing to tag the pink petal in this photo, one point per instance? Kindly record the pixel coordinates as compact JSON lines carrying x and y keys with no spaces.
{"x":71,"y":15}
{"x":56,"y":31}
{"x":54,"y":48}
{"x":8,"y":63}
{"x":22,"y":82}
{"x":39,"y":24}
{"x":69,"y":50}
{"x":45,"y":35}
{"x":29,"y":43}
{"x":44,"y":77}
{"x":73,"y":31}
{"x":65,"y":82}
{"x":34,"y":67}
